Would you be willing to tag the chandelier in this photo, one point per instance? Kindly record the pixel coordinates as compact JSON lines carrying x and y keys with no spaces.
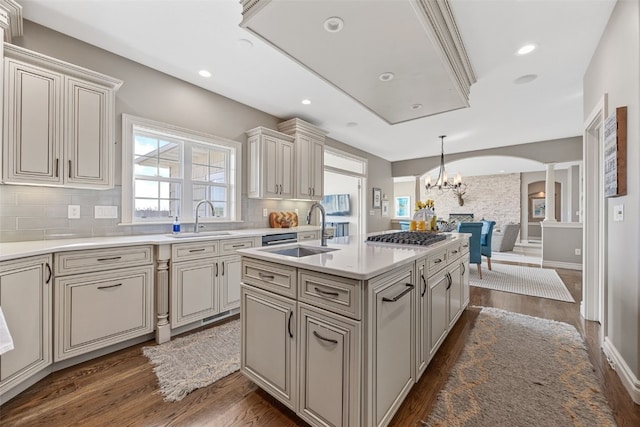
{"x":442,"y":183}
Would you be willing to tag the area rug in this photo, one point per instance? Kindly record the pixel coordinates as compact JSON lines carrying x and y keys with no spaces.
{"x":197,"y":360}
{"x":537,"y":282}
{"x":518,"y":370}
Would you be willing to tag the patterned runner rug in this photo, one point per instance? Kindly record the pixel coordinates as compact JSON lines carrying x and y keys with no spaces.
{"x":537,"y":282}
{"x":197,"y":360}
{"x":517,"y":370}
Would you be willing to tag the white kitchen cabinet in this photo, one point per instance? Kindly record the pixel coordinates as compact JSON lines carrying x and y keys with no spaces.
{"x":271,"y":164}
{"x":309,"y":155}
{"x":423,"y":312}
{"x":230,"y":277}
{"x":329,"y":368}
{"x":392,"y":331}
{"x":308,"y":235}
{"x":269,"y":340}
{"x":438,"y":308}
{"x":194,"y":291}
{"x":465,"y":281}
{"x":25,"y":297}
{"x":58,"y":122}
{"x":455,"y":292}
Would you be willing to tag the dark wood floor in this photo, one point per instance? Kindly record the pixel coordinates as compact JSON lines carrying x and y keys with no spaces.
{"x":121,"y":390}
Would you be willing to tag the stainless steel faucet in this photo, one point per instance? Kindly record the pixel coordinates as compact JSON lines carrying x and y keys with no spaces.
{"x":196,"y":229}
{"x":323,"y":238}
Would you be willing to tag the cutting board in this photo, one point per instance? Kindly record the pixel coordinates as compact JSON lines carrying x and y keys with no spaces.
{"x":280,"y":219}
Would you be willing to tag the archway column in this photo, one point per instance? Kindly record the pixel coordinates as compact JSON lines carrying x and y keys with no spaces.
{"x":550,"y":194}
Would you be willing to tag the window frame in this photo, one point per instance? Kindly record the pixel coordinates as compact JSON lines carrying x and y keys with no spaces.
{"x":130,"y":124}
{"x":395,"y":207}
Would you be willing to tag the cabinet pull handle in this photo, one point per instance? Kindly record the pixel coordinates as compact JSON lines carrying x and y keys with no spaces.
{"x":197,"y":250}
{"x":320,"y":337}
{"x":266,"y":276}
{"x":454,"y":251}
{"x":48,"y":271}
{"x":466,"y":245}
{"x":400,"y":295}
{"x":276,"y":189}
{"x":113,"y":258}
{"x":110,"y":286}
{"x":216,"y":269}
{"x":57,"y":168}
{"x":69,"y":172}
{"x":437,"y":261}
{"x":424,"y":285}
{"x":310,"y":193}
{"x":450,"y":280}
{"x":223,"y":268}
{"x":320,"y":291}
{"x":313,"y":191}
{"x":280,"y":188}
{"x":289,"y":324}
{"x":464,"y":269}
{"x":238,"y":246}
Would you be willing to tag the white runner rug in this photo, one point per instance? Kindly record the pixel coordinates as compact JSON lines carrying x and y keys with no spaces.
{"x":537,"y":282}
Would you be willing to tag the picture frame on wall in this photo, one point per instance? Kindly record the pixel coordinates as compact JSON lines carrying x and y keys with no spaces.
{"x":385,"y":208}
{"x":377,"y":198}
{"x":538,"y":208}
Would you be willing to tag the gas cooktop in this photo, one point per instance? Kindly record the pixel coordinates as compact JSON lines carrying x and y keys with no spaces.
{"x":421,"y":238}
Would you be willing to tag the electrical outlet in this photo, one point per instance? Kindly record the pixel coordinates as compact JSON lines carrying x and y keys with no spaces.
{"x":73,"y":211}
{"x":618,"y":213}
{"x":578,"y":251}
{"x":265,"y":212}
{"x":105,"y":212}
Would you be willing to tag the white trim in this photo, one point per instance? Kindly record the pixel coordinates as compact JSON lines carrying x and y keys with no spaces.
{"x":555,"y":224}
{"x":617,"y":363}
{"x":562,"y":264}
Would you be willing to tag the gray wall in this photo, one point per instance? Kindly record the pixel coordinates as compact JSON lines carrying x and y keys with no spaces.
{"x":614,"y":70}
{"x":36,"y":213}
{"x":560,"y":243}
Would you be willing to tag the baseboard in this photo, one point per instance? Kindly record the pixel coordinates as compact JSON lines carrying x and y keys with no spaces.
{"x":617,"y":363}
{"x":560,"y":264}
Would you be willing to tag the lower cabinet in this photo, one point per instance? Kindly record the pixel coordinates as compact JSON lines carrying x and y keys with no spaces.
{"x":95,"y":310}
{"x":423,"y":311}
{"x":194,"y":293}
{"x":438,"y":305}
{"x":465,"y":280}
{"x":455,"y":293}
{"x":230,"y":277}
{"x":25,"y":297}
{"x":329,"y":368}
{"x":269,"y":338}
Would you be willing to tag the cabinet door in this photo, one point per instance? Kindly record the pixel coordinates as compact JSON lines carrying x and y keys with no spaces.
{"x":230,"y":275}
{"x":194,"y":293}
{"x":95,"y":310}
{"x":438,"y":310}
{"x":88,"y":130}
{"x":271,"y":175}
{"x":316,"y":169}
{"x":465,"y":281}
{"x":269,"y":339}
{"x":455,"y":293}
{"x":329,"y":368}
{"x":33,"y":125}
{"x":25,"y":297}
{"x":422,"y":318}
{"x":393,"y":357}
{"x":304,"y":174}
{"x":286,"y":168}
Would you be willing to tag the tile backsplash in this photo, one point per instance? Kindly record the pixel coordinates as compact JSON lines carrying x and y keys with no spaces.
{"x":40,"y":213}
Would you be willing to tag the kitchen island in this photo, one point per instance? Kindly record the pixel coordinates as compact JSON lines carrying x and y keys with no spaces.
{"x":340,"y":334}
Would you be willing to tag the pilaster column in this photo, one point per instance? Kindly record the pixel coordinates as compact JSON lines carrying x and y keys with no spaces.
{"x":550,"y":194}
{"x":163,"y":328}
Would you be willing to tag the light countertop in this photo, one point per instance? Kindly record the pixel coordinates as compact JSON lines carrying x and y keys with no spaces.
{"x":13,"y":250}
{"x":353,"y":258}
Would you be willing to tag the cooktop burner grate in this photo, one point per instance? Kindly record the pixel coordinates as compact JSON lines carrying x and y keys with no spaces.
{"x":422,"y":238}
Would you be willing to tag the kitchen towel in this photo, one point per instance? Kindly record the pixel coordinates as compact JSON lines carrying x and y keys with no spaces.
{"x":6,"y":343}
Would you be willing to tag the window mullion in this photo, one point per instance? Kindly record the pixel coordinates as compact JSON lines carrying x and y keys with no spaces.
{"x":186,"y":202}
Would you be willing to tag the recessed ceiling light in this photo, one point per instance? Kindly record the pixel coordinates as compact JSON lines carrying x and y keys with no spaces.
{"x":416,"y":106}
{"x":527,"y":78}
{"x":306,"y":101}
{"x":527,"y":48}
{"x":204,"y":73}
{"x":333,"y":24}
{"x":352,"y":124}
{"x":385,"y":77}
{"x":245,"y":44}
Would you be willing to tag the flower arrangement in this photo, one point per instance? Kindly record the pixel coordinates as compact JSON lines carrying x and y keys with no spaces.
{"x":427,"y":204}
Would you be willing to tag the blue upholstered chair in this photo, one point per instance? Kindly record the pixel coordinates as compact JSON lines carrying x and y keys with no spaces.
{"x":475,"y":256}
{"x":485,"y":239}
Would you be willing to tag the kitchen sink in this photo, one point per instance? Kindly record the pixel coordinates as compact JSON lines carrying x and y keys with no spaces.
{"x":301,"y":251}
{"x":201,"y":234}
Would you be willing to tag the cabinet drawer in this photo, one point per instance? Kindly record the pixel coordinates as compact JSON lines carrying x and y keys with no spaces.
{"x":453,"y":251}
{"x":101,"y":259}
{"x":229,"y":247}
{"x":333,"y":293}
{"x":100,"y":309}
{"x":464,"y":247}
{"x":436,"y":261}
{"x":277,"y":278}
{"x":195,"y":250}
{"x":307,"y":235}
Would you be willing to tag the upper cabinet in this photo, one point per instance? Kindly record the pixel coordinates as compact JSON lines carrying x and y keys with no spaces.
{"x":271,"y":164}
{"x":309,"y":148}
{"x":58,"y":122}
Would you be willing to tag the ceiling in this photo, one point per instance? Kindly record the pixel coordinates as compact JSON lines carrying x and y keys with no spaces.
{"x":181,"y":37}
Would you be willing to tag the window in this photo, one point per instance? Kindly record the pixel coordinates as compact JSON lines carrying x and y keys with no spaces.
{"x":166,"y":171}
{"x":403,"y":207}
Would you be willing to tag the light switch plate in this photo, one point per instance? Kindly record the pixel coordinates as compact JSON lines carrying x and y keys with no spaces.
{"x":265,"y":212}
{"x":73,"y":211}
{"x":105,"y":212}
{"x":618,"y":213}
